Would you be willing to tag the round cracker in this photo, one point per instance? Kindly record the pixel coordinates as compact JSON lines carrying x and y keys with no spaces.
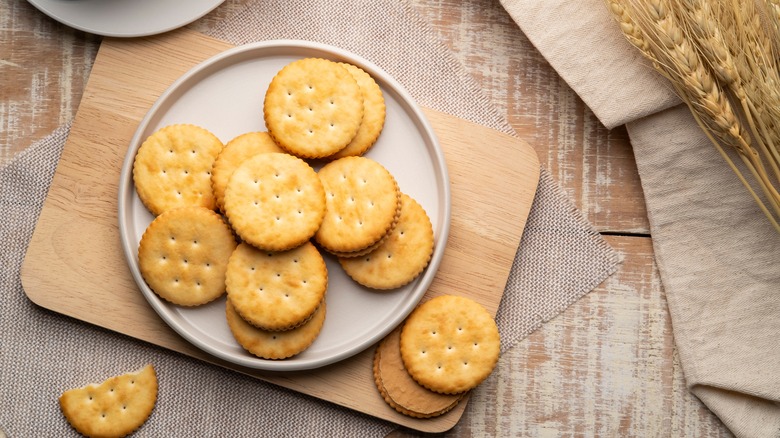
{"x":313,"y":107}
{"x":362,"y":205}
{"x":449,"y":344}
{"x":373,"y":114}
{"x":274,"y":344}
{"x":276,"y":290}
{"x":399,"y":390}
{"x":172,"y":168}
{"x":236,"y":151}
{"x":275,"y":201}
{"x":183,"y":255}
{"x":401,"y":257}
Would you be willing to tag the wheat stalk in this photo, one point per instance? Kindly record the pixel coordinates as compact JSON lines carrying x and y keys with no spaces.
{"x":754,"y":87}
{"x":630,"y":29}
{"x":706,"y":50}
{"x":773,"y":7}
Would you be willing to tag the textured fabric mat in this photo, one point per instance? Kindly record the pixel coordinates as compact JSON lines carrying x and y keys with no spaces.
{"x":43,"y":353}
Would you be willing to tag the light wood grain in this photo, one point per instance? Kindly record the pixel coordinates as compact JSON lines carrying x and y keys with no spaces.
{"x":595,"y":166}
{"x":596,"y":370}
{"x":88,"y":278}
{"x":45,"y":66}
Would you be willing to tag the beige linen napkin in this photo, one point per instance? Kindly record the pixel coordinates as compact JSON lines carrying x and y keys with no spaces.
{"x":720,"y":264}
{"x":582,"y":44}
{"x":718,"y":257}
{"x":42,"y":353}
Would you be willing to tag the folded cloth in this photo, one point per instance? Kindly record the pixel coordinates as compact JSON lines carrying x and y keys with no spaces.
{"x":718,"y":257}
{"x":583,"y":44}
{"x":719,"y":261}
{"x":560,"y":258}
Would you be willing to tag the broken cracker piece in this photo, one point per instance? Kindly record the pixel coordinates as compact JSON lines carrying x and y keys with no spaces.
{"x":114,"y":408}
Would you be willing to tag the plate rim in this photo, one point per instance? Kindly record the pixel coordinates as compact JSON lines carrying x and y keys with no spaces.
{"x":333,"y":52}
{"x":73,"y":21}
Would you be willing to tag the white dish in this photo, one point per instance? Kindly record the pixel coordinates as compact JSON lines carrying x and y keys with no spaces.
{"x":224,"y":94}
{"x":125,"y":18}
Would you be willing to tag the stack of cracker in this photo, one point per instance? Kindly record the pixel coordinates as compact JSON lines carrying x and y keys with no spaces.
{"x":446,"y":347}
{"x":249,"y":218}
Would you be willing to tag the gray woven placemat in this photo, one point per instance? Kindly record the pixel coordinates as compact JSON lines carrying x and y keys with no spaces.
{"x":43,"y":353}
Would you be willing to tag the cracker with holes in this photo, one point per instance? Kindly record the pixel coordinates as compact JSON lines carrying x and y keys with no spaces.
{"x":401,"y":257}
{"x":313,"y":107}
{"x":373,"y":114}
{"x":172,"y":168}
{"x":449,"y":344}
{"x":236,"y":151}
{"x":362,"y":206}
{"x":275,"y":201}
{"x":114,"y":408}
{"x":183,"y":255}
{"x":276,"y":290}
{"x":274,"y":344}
{"x":399,"y":390}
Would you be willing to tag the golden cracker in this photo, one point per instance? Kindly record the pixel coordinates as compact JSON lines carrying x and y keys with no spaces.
{"x":401,"y":257}
{"x":275,"y":201}
{"x":313,"y":107}
{"x":183,"y":255}
{"x":274,"y":344}
{"x":362,"y":205}
{"x":276,"y":290}
{"x":172,"y":168}
{"x":236,"y":151}
{"x":450,"y":344}
{"x":114,"y":408}
{"x":373,"y":114}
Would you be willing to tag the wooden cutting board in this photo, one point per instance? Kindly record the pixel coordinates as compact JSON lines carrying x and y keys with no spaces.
{"x":75,"y":266}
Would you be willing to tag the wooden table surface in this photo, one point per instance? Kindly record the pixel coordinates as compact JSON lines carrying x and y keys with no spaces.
{"x":607,"y":366}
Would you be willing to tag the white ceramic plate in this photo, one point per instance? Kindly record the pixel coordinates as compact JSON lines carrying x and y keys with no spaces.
{"x":125,"y":18}
{"x":225,"y":95}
